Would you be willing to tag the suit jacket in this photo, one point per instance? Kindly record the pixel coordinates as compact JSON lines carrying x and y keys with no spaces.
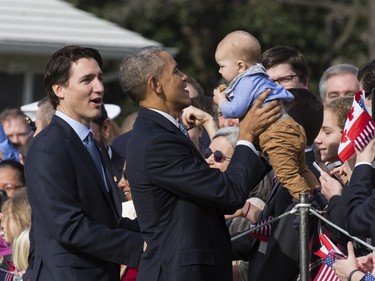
{"x":360,"y":201}
{"x":74,"y":233}
{"x":117,"y":163}
{"x":120,"y":143}
{"x":181,"y":202}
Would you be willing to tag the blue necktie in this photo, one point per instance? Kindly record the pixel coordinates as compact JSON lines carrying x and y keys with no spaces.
{"x":90,"y":145}
{"x":183,"y":130}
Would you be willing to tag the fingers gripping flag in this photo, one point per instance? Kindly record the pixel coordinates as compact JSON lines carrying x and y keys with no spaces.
{"x":359,"y":128}
{"x":326,"y":252}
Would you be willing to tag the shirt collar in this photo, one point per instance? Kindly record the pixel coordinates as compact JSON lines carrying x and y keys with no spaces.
{"x":80,"y":129}
{"x":166,"y":115}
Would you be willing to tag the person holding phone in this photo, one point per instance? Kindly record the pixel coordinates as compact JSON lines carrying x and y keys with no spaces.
{"x":328,"y":141}
{"x":329,"y":137}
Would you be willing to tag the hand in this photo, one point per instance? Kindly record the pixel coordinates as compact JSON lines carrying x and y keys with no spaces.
{"x":258,"y":119}
{"x":366,"y":262}
{"x":329,"y":186}
{"x":194,"y":116}
{"x":367,"y":154}
{"x":251,"y":212}
{"x":343,"y":268}
{"x":219,"y":97}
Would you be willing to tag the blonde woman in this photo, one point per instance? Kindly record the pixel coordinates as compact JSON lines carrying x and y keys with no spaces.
{"x":21,"y":246}
{"x":16,"y":216}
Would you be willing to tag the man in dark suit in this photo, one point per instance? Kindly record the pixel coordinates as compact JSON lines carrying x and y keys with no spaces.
{"x":180,"y":201}
{"x":75,"y":204}
{"x":360,"y":197}
{"x":101,"y":128}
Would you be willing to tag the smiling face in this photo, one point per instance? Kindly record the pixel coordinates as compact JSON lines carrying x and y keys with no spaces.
{"x":173,"y":86}
{"x":328,"y":139}
{"x":82,"y":96}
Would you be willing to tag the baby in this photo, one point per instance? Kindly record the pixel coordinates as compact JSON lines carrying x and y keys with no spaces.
{"x":284,"y":141}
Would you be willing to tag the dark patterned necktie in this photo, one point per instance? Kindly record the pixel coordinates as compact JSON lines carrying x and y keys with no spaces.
{"x":183,"y":130}
{"x":90,"y":145}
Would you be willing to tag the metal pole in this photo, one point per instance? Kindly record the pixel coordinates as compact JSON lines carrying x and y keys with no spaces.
{"x":304,"y":236}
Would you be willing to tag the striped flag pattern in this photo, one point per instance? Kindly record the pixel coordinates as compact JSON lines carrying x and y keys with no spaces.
{"x":359,"y":128}
{"x":263,"y":233}
{"x":326,"y":252}
{"x":326,"y":272}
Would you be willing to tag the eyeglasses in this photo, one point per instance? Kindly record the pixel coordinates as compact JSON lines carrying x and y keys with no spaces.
{"x":218,"y":155}
{"x":285,"y":79}
{"x":9,"y":186}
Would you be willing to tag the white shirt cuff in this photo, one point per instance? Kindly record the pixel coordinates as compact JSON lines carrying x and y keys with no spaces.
{"x":362,"y":163}
{"x":248,"y":144}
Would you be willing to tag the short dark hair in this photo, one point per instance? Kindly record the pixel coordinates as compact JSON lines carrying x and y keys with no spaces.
{"x":366,"y":75}
{"x":307,"y":110}
{"x":137,"y":67}
{"x":284,"y":54}
{"x":58,"y":67}
{"x":16,"y":166}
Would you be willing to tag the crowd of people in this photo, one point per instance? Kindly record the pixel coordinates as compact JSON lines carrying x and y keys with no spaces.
{"x":161,"y":199}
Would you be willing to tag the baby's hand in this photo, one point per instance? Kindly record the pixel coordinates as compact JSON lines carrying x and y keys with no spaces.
{"x":219,"y":96}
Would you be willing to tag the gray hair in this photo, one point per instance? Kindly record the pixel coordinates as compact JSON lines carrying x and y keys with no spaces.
{"x":137,"y":67}
{"x":262,"y":189}
{"x":230,"y":133}
{"x":334,"y":70}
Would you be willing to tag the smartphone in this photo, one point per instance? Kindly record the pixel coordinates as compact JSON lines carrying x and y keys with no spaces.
{"x":320,"y":166}
{"x":338,"y":256}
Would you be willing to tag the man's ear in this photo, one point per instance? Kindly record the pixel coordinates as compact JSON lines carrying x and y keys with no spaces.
{"x":241,"y":65}
{"x":57,"y":89}
{"x":155,"y":85}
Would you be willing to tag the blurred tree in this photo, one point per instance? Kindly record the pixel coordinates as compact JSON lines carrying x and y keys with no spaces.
{"x":325,"y":31}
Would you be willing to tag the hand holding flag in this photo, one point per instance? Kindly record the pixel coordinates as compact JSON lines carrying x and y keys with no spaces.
{"x":344,"y":267}
{"x":328,"y":252}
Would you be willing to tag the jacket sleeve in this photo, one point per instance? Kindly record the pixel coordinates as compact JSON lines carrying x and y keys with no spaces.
{"x":360,"y":200}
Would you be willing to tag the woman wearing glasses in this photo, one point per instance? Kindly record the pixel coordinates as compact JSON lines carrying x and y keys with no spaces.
{"x":218,"y":156}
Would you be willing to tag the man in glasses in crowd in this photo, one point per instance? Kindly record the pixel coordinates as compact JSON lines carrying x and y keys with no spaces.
{"x":286,"y":66}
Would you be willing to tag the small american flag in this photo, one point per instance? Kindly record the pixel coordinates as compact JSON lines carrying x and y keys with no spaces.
{"x":326,"y":272}
{"x":326,"y":252}
{"x":264,"y":232}
{"x":359,"y":128}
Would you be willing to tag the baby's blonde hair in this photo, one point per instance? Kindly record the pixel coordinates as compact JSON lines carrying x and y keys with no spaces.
{"x":244,"y":46}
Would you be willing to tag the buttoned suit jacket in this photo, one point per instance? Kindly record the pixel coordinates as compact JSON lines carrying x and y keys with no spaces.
{"x":360,"y":200}
{"x":180,"y":201}
{"x":74,"y":234}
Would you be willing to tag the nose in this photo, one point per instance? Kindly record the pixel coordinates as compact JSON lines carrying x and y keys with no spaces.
{"x":318,"y":139}
{"x":210,"y":160}
{"x":183,"y":76}
{"x":228,"y":122}
{"x":99,"y":86}
{"x":121,"y":184}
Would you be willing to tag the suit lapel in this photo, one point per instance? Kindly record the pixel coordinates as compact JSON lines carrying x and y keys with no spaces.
{"x":164,"y":122}
{"x":79,"y":149}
